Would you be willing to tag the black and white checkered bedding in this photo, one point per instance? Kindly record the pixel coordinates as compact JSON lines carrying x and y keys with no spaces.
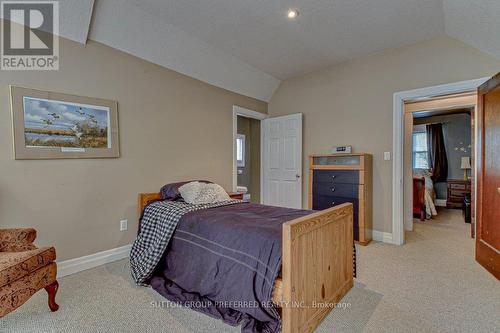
{"x":157,"y":227}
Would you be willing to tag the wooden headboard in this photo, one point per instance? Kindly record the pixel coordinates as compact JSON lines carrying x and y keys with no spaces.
{"x":145,"y":198}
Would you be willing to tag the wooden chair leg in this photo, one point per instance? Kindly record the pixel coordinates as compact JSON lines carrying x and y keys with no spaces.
{"x":52,"y":290}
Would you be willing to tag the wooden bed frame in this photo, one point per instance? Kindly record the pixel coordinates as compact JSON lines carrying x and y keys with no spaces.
{"x":419,"y":197}
{"x":317,"y":264}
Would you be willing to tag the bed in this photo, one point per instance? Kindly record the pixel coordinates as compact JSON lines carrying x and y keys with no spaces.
{"x":423,"y":195}
{"x":316,"y":264}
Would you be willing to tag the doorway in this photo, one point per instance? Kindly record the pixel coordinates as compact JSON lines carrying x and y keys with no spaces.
{"x":438,"y":161}
{"x":248,"y":158}
{"x":247,"y":153}
{"x":399,"y":124}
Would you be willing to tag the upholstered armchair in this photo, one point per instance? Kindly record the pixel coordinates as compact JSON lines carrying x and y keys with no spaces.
{"x":25,"y":269}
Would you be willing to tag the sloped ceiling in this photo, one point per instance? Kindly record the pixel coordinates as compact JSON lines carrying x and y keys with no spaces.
{"x":475,"y":22}
{"x":74,"y":19}
{"x":249,"y":46}
{"x":129,"y":28}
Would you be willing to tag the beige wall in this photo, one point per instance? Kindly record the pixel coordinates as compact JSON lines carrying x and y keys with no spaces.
{"x":351,"y":103}
{"x":171,"y":128}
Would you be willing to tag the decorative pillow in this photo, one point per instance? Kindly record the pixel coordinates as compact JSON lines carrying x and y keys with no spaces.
{"x":199,"y":193}
{"x":171,"y":191}
{"x":190,"y":191}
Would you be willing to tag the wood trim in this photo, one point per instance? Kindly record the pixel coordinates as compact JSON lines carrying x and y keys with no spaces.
{"x":361,"y":213}
{"x":311,"y":176}
{"x":489,"y":85}
{"x":444,"y":102}
{"x":144,"y":199}
{"x":337,"y":167}
{"x":338,"y":155}
{"x":317,"y":266}
{"x":473,"y":126}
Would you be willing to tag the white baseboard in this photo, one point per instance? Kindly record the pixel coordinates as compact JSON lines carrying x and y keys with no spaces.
{"x":72,"y":266}
{"x":440,"y":202}
{"x":385,"y":237}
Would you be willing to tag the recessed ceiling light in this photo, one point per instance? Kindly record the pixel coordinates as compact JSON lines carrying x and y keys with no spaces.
{"x":293,"y":13}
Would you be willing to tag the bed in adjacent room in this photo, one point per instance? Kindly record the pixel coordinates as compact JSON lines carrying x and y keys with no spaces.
{"x":265,"y":268}
{"x":424,"y":194}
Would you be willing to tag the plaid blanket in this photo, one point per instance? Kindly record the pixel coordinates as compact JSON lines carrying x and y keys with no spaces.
{"x":158,"y":224}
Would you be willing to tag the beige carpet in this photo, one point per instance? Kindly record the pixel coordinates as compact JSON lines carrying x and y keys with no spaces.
{"x":431,"y":284}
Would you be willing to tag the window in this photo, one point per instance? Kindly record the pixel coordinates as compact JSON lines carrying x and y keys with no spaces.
{"x":420,"y":155}
{"x":240,"y":150}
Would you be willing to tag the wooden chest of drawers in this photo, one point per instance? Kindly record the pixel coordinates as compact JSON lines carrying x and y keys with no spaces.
{"x":341,"y":178}
{"x":457,"y":190}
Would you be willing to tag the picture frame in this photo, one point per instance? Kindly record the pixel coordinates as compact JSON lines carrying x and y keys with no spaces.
{"x":52,"y":125}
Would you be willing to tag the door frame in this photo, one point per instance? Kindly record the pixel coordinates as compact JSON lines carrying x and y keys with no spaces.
{"x":399,"y":99}
{"x":446,"y":104}
{"x":247,"y":113}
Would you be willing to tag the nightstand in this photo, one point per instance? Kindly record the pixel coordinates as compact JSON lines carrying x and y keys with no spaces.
{"x":457,"y":190}
{"x":235,"y":195}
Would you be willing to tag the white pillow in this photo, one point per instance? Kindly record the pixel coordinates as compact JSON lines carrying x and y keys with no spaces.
{"x":208,"y":193}
{"x":190,"y":191}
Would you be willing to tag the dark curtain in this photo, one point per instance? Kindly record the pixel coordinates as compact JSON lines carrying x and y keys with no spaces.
{"x":438,"y":162}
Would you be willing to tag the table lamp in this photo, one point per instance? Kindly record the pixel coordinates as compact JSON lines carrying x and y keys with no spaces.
{"x":465,"y":166}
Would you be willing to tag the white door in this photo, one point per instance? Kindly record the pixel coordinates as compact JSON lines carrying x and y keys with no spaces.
{"x":282,"y":161}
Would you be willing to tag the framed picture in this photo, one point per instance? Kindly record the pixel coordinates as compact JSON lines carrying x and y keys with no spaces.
{"x":49,"y":125}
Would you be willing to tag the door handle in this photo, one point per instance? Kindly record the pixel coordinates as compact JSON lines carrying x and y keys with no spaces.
{"x":297,"y":176}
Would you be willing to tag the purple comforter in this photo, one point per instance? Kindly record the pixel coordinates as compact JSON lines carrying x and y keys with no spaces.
{"x":224,"y":261}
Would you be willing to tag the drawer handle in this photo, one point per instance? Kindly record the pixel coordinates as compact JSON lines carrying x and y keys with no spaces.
{"x":333,"y":189}
{"x":333,"y":176}
{"x":333,"y":203}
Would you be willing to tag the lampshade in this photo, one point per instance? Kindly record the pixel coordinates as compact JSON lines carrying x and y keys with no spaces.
{"x":465,"y":162}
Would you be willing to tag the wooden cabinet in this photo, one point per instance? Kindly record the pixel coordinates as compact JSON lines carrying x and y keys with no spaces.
{"x":235,"y":195}
{"x":457,"y":190}
{"x":341,"y":178}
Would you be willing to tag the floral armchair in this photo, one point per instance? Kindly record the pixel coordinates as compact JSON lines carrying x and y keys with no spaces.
{"x":25,"y":269}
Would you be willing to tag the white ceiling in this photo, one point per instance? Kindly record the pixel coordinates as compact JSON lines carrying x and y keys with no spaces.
{"x":475,"y":22}
{"x":248,"y":46}
{"x":121,"y":25}
{"x":74,"y":19}
{"x":326,"y":32}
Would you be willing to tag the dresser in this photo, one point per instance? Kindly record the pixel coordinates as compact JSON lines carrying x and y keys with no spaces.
{"x":457,"y":190}
{"x":342,"y":178}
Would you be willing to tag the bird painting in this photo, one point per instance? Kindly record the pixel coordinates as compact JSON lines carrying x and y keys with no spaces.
{"x":47,"y":122}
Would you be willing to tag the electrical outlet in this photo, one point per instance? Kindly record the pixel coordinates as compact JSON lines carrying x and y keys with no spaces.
{"x":387,"y":156}
{"x":123,"y":225}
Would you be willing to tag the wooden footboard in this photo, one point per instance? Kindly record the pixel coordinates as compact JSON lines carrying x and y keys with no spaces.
{"x":317,"y":266}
